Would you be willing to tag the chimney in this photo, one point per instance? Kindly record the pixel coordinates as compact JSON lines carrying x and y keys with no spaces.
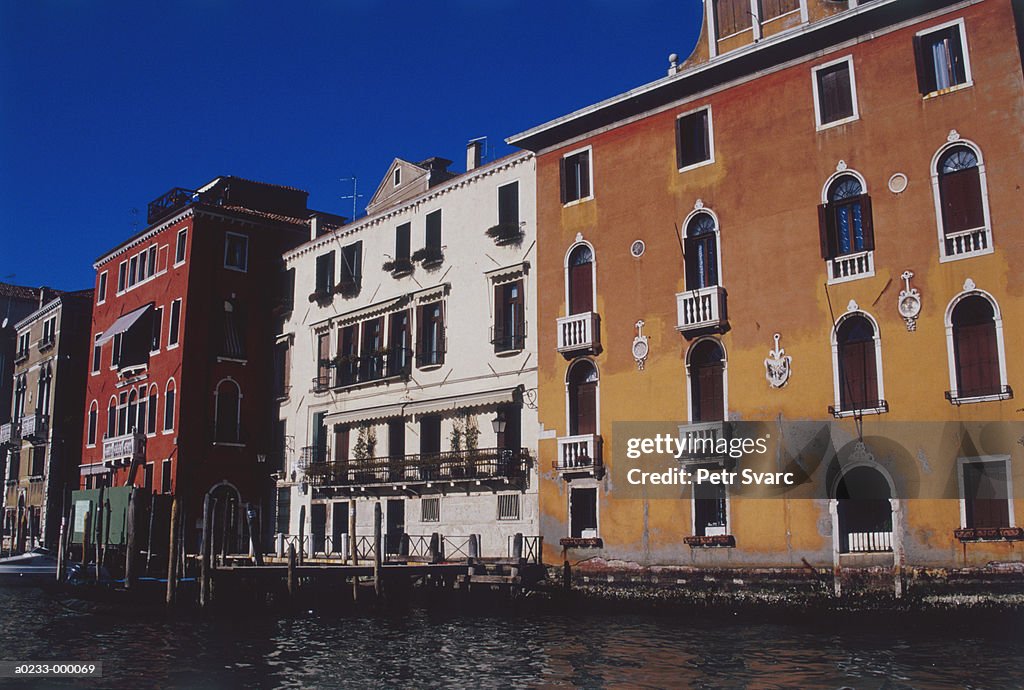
{"x":474,"y":152}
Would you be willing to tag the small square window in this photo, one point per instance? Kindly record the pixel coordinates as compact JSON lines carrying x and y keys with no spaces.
{"x":693,"y":139}
{"x":941,"y":58}
{"x":236,"y":252}
{"x":508,"y":507}
{"x":430,"y":510}
{"x":576,"y":177}
{"x":835,"y":100}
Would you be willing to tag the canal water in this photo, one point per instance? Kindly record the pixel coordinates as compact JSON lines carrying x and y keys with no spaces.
{"x":426,"y":647}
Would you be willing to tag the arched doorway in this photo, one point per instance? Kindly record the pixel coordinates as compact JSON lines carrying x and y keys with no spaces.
{"x":228,"y":532}
{"x":864,"y":511}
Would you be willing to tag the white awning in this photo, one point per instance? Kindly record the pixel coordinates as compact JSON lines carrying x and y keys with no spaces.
{"x":367,"y":414}
{"x":123,"y":323}
{"x":486,"y":399}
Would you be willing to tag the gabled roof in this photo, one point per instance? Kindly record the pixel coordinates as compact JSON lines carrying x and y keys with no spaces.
{"x":414,"y":179}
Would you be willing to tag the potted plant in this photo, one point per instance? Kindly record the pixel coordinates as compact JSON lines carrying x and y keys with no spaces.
{"x":398,"y":267}
{"x":429,"y":257}
{"x":505,"y":233}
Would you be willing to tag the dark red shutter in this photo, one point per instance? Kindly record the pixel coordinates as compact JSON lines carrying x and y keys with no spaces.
{"x":340,"y":443}
{"x":581,"y":291}
{"x":586,"y":409}
{"x":961,"y":200}
{"x":500,"y":317}
{"x":561,"y":179}
{"x":867,"y":223}
{"x":924,"y":80}
{"x":709,"y":394}
{"x":857,"y":376}
{"x":977,"y":359}
{"x":826,"y":233}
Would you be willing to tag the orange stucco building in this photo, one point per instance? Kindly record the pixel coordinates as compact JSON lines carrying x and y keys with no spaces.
{"x":817,"y":219}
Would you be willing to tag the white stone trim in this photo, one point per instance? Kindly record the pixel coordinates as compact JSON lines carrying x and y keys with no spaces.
{"x":835,"y":363}
{"x":971,"y":291}
{"x":953,"y":141}
{"x":960,"y":462}
{"x":818,"y":124}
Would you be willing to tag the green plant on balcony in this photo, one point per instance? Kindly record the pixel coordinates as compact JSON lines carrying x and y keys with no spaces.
{"x":505,"y":233}
{"x":429,"y":257}
{"x":398,"y":267}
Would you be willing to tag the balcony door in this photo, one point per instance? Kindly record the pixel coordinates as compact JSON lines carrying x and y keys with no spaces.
{"x":858,"y":374}
{"x":707,"y":382}
{"x":701,"y":247}
{"x":582,"y":398}
{"x":395,"y":525}
{"x":581,"y":280}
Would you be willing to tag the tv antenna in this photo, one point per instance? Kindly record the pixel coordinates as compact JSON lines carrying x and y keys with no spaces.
{"x":354,"y":196}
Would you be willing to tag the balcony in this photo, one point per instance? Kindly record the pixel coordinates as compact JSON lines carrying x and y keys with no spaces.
{"x":701,"y":311}
{"x":121,"y":450}
{"x":966,"y":243}
{"x":20,"y":356}
{"x":858,"y":409}
{"x":34,"y":427}
{"x":322,"y":383}
{"x":392,"y":363}
{"x":169,"y":202}
{"x":701,"y":439}
{"x":479,"y":464}
{"x":991,"y":394}
{"x":851,"y":267}
{"x":579,"y":333}
{"x":505,"y":339}
{"x":10,"y":434}
{"x":580,"y":454}
{"x":311,"y":456}
{"x":47,"y":342}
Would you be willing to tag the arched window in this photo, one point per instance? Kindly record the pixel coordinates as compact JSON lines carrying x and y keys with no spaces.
{"x":960,"y":195}
{"x":701,"y":247}
{"x":20,"y":394}
{"x":975,"y":344}
{"x":846,"y":228}
{"x":581,"y":280}
{"x":133,"y":411}
{"x":94,"y":412}
{"x":706,"y":373}
{"x":45,"y":385}
{"x":582,"y":394}
{"x":227,"y":415}
{"x":856,"y":357}
{"x":112,"y":417}
{"x":154,"y":394}
{"x":169,"y":396}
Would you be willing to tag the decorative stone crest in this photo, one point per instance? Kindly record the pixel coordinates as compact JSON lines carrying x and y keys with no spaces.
{"x":841,"y":166}
{"x":779,"y":366}
{"x":969,"y":285}
{"x":853,"y":306}
{"x":579,"y":236}
{"x":953,"y":136}
{"x":699,"y":205}
{"x":641,"y":346}
{"x":909,"y":302}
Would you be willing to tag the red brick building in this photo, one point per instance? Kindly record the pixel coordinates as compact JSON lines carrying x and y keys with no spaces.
{"x":179,"y":396}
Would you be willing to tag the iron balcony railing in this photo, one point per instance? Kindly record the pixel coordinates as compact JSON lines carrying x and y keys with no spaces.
{"x":476,"y":464}
{"x":311,"y":456}
{"x":854,"y":408}
{"x":354,"y":370}
{"x":509,"y":337}
{"x":34,"y":427}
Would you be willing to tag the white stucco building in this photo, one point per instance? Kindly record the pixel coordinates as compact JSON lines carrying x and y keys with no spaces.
{"x":407,"y":365}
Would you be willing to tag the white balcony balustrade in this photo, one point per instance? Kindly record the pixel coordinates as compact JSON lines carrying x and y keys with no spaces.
{"x":579,"y":332}
{"x":702,"y":309}
{"x":579,"y":452}
{"x":851,"y":267}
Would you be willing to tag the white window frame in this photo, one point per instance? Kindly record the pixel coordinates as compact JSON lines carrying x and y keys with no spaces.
{"x":177,"y":239}
{"x":711,"y":137}
{"x":238,"y":412}
{"x":503,"y":276}
{"x":122,"y":287}
{"x":968,"y":74}
{"x":158,"y":312}
{"x":396,"y":177}
{"x":170,"y":317}
{"x":589,"y":150}
{"x":725,"y":379}
{"x":693,"y":500}
{"x":518,"y":505}
{"x":818,"y":125}
{"x":879,"y":375}
{"x":165,"y":430}
{"x":227,"y":241}
{"x":718,"y":242}
{"x":960,"y":462}
{"x":583,"y":484}
{"x":93,"y":431}
{"x":597,"y":396}
{"x":101,"y":288}
{"x":870,"y":253}
{"x":953,"y":141}
{"x":154,"y":404}
{"x":93,"y":371}
{"x":997,"y":318}
{"x":593,"y":272}
{"x":423,"y":518}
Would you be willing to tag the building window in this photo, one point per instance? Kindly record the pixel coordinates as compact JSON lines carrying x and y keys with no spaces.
{"x":179,"y":247}
{"x":508,"y":204}
{"x":770,"y":9}
{"x":508,"y":507}
{"x":236,"y":252}
{"x":583,"y":513}
{"x":158,"y":321}
{"x":835,"y":93}
{"x":325,"y":274}
{"x":430,"y":346}
{"x":858,"y":367}
{"x":112,"y":418}
{"x":975,"y":344}
{"x":151,"y":415}
{"x":959,"y":182}
{"x":122,"y":414}
{"x":169,"y":407}
{"x":97,"y":352}
{"x":174,"y":324}
{"x":403,"y":242}
{"x":122,"y":276}
{"x":941,"y":58}
{"x":432,"y":240}
{"x":396,"y":178}
{"x":133,"y":267}
{"x":351,"y":268}
{"x":347,"y":369}
{"x":580,"y":280}
{"x":710,"y":506}
{"x":165,"y":477}
{"x":732,"y":17}
{"x":115,"y":351}
{"x":101,"y":290}
{"x":694,"y":139}
{"x":985,"y":488}
{"x":233,"y":330}
{"x":705,"y":369}
{"x":846,"y":230}
{"x":509,"y":331}
{"x":282,"y":366}
{"x":577,"y":176}
{"x":701,"y":249}
{"x":323,"y":363}
{"x":399,"y":350}
{"x":143,"y":411}
{"x":430,"y":510}
{"x":582,"y":392}
{"x":94,"y":413}
{"x":227,"y":412}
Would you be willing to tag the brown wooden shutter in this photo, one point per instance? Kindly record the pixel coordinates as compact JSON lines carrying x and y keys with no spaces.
{"x":961,"y":200}
{"x":584,"y":167}
{"x":561,"y":179}
{"x":586,"y":408}
{"x":500,"y":317}
{"x":340,"y":443}
{"x":857,"y":375}
{"x":924,"y":81}
{"x":867,"y":223}
{"x":709,"y":396}
{"x":826,"y":234}
{"x":679,"y":141}
{"x":977,"y":359}
{"x":581,"y":291}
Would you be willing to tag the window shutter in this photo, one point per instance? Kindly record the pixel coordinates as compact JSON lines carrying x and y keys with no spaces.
{"x":923,"y":81}
{"x":440,"y":334}
{"x":867,"y":222}
{"x":679,"y":141}
{"x":561,"y":179}
{"x":500,"y":306}
{"x":824,"y":231}
{"x":961,"y":200}
{"x":433,"y":234}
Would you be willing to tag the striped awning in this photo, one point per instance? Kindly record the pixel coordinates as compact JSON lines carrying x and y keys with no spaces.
{"x":367,"y":414}
{"x":502,"y":396}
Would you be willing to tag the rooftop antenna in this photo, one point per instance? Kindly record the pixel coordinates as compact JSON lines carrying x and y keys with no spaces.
{"x":487,"y":148}
{"x":354,"y":195}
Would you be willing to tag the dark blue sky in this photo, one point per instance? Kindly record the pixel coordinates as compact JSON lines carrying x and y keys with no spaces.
{"x":106,"y":105}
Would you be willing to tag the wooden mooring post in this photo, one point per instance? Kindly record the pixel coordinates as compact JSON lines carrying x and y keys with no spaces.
{"x":206,"y":547}
{"x":172,"y":554}
{"x":378,"y":550}
{"x":302,"y":532}
{"x":353,"y":548}
{"x":292,"y":582}
{"x":99,"y":532}
{"x":130,"y":556}
{"x":254,"y":541}
{"x":60,"y":548}
{"x":85,"y":539}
